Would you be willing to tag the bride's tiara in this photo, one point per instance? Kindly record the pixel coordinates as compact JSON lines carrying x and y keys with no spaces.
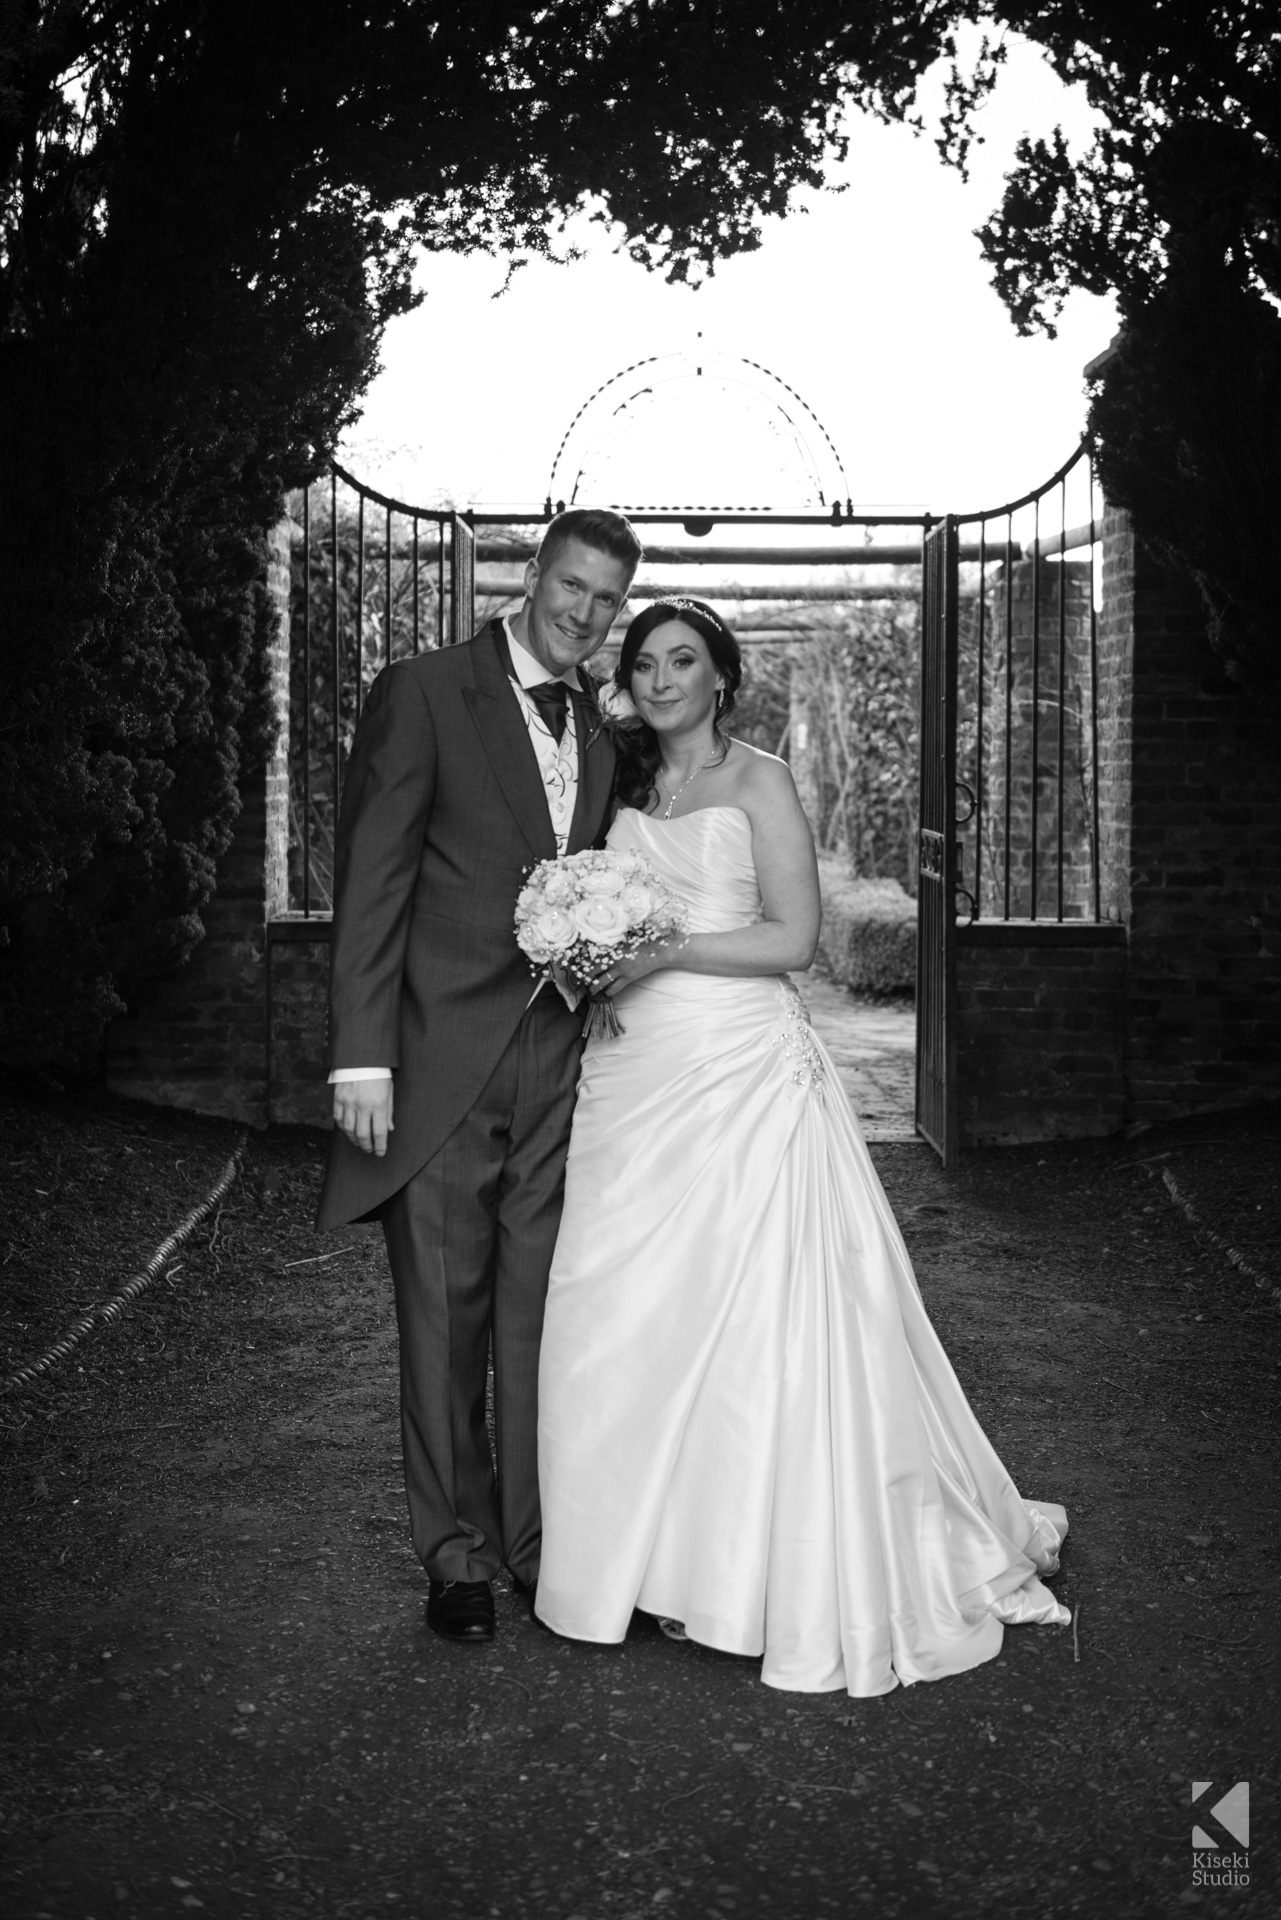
{"x":683,"y":605}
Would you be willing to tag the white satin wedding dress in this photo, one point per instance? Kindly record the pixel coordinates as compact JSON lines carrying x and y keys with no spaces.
{"x":747,"y":1422}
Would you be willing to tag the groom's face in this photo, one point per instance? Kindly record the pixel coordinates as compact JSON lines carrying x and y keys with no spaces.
{"x":572,"y":600}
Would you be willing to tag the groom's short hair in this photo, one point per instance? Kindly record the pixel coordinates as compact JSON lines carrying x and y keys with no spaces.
{"x":598,"y":527}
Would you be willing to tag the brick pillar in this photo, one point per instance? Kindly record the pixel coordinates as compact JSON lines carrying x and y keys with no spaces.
{"x":200,"y":1040}
{"x":1190,"y":814}
{"x":1010,"y":668}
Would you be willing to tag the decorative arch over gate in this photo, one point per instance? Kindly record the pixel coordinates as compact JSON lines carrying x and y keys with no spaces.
{"x":726,"y":424}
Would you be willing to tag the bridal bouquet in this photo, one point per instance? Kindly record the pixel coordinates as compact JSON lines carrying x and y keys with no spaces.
{"x":578,"y":916}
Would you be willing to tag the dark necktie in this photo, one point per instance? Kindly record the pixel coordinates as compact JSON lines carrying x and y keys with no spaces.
{"x":551,"y":701}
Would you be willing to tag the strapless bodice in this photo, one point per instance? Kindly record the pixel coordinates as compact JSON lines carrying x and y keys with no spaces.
{"x":705,"y":857}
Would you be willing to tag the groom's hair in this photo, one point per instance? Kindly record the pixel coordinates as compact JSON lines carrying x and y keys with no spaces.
{"x":598,"y":527}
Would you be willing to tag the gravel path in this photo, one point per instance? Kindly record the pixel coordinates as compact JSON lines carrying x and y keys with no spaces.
{"x":219,"y":1696}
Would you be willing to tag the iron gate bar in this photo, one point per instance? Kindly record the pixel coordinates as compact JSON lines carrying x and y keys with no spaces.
{"x":389,"y":500}
{"x":360,"y":604}
{"x":936,"y":1108}
{"x":1062,"y":681}
{"x":1036,"y":708}
{"x":306,"y":702}
{"x":414,"y":567}
{"x":334,"y":645}
{"x":978,"y":729}
{"x":1025,"y":499}
{"x":462,"y":579}
{"x":909,"y":517}
{"x":1097,"y":852}
{"x":387,"y":584}
{"x":1009,"y":694}
{"x":440,"y":584}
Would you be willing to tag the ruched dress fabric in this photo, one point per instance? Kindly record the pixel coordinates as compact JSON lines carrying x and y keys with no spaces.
{"x":746,"y":1420}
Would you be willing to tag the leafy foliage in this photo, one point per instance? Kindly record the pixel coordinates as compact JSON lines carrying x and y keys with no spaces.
{"x":856,"y":681}
{"x":1176,"y":208}
{"x":862,"y":699}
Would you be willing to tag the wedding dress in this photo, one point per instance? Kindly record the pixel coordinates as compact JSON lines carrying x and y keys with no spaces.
{"x":747,"y":1422}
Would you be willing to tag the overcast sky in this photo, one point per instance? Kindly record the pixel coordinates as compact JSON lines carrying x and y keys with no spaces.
{"x":873,"y":304}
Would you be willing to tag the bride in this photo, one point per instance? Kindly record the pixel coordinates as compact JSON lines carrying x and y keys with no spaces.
{"x":747,"y":1424}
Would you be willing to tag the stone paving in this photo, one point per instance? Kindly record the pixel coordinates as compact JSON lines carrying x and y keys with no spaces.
{"x":874,"y":1046}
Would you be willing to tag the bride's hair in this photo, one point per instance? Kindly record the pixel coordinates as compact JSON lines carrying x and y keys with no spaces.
{"x":637,"y":745}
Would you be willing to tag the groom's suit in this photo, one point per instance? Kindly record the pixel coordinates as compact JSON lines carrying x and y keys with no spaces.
{"x":444,"y":811}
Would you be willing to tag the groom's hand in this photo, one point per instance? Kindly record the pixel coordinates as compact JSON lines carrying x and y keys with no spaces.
{"x":362,"y":1110}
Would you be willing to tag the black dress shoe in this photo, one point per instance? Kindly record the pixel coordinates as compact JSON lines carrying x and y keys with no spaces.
{"x":461,"y":1609}
{"x":526,"y":1590}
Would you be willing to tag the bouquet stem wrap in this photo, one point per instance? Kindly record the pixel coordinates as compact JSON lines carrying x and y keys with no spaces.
{"x":577,"y":917}
{"x":603,"y":1022}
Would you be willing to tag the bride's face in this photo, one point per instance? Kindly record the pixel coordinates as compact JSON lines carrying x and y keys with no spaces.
{"x":674,"y":679}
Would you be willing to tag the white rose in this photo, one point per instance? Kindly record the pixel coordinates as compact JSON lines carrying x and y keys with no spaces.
{"x":554,"y":929}
{"x":559,"y":890}
{"x":600,"y":882}
{"x":637,"y":901}
{"x":600,"y":919}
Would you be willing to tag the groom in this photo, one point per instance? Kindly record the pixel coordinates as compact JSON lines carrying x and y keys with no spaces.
{"x":453,"y":1079}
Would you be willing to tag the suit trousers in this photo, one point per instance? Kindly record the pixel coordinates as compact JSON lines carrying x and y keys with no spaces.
{"x":470,"y":1240}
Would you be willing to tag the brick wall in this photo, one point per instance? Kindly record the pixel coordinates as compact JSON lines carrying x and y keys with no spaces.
{"x":1040,"y":1010}
{"x":1192,"y":795}
{"x":298,"y":980}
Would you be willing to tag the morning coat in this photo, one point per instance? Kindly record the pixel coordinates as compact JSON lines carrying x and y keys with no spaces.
{"x":443,"y":815}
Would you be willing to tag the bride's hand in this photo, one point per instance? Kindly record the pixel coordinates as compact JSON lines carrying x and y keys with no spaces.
{"x":623,"y":971}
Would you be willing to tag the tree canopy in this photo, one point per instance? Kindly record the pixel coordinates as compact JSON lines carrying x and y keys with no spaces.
{"x":1176,"y":209}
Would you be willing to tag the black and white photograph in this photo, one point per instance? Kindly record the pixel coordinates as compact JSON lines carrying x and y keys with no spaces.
{"x":640,"y":960}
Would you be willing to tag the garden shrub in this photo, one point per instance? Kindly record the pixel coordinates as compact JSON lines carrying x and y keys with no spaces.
{"x":868,"y":941}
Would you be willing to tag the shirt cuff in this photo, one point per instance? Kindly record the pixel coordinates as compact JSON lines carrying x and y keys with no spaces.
{"x":359,"y":1073}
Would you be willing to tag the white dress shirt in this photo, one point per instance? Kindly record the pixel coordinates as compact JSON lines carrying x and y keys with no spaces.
{"x":558,"y":765}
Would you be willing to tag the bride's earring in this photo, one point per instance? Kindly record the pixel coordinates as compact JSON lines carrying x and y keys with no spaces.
{"x":720,"y":698}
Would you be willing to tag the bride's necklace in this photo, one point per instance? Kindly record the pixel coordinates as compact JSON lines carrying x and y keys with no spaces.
{"x":713,"y":762}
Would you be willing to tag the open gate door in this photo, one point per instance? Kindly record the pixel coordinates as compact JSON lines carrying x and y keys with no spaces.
{"x":462,"y":581}
{"x":936,"y":1103}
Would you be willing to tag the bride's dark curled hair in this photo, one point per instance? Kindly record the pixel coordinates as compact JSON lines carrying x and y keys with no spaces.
{"x":637,"y":744}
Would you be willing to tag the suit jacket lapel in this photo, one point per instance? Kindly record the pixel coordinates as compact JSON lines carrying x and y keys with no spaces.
{"x":506,"y":741}
{"x":595,"y":766}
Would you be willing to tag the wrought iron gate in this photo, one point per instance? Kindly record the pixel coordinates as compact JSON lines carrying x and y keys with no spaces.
{"x":936,"y":1103}
{"x":1008,"y":705}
